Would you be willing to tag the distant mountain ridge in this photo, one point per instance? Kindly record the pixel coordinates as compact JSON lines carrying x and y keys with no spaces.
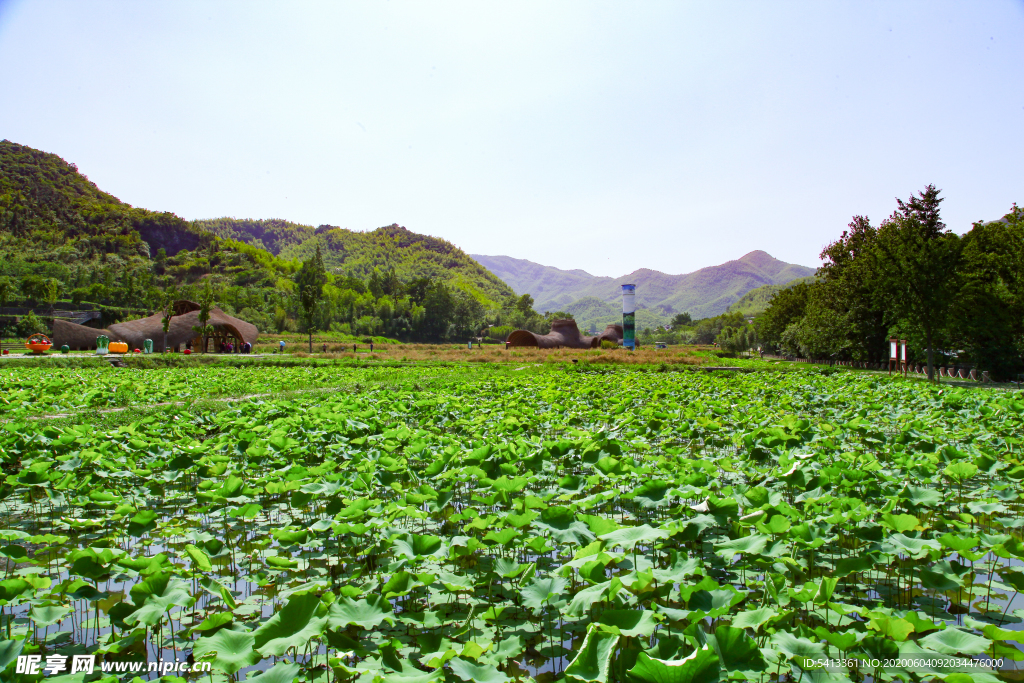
{"x":703,"y":293}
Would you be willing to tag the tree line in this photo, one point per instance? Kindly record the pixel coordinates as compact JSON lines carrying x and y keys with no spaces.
{"x":956,"y":298}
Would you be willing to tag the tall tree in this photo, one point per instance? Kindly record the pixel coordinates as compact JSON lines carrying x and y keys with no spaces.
{"x":7,"y":290}
{"x":205,"y":306}
{"x":167,"y":308}
{"x":311,"y":279}
{"x":847,"y":287}
{"x":989,"y":324}
{"x":917,"y":268}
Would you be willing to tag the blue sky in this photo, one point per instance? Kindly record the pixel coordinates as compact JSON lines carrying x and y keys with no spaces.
{"x":607,"y":136}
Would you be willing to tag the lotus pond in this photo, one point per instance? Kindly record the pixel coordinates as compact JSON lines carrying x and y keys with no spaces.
{"x":551,"y":524}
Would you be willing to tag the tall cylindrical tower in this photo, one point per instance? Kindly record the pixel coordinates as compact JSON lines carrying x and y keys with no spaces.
{"x":629,"y":316}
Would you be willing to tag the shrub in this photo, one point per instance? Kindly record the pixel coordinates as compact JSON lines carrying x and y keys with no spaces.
{"x":31,"y":323}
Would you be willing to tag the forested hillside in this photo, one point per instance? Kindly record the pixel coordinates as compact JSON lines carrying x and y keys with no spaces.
{"x":756,"y":301}
{"x":703,"y":293}
{"x":62,"y":239}
{"x":359,"y":254}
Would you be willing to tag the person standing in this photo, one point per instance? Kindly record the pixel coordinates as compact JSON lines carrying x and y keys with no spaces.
{"x":281,"y":345}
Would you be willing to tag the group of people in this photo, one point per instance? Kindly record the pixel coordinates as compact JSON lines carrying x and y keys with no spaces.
{"x":228,"y":347}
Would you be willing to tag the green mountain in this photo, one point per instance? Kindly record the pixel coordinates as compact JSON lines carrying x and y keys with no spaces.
{"x":58,"y":227}
{"x":358,"y":254}
{"x":756,"y":301}
{"x":593,"y":314}
{"x":62,"y":238}
{"x":704,"y":293}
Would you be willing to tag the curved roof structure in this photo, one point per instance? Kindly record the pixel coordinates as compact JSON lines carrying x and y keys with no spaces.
{"x":135,"y":332}
{"x":564,"y":333}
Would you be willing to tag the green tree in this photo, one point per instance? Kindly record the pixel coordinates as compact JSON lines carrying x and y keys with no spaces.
{"x":989,"y":324}
{"x":681,"y":320}
{"x":7,"y":291}
{"x":168,"y":312}
{"x":847,"y":292}
{"x":204,"y":329}
{"x":786,"y":308}
{"x":917,"y":268}
{"x":311,"y":279}
{"x":51,"y":289}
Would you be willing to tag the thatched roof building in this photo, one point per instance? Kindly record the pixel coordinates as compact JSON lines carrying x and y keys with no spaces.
{"x":564,"y":333}
{"x":135,"y":332}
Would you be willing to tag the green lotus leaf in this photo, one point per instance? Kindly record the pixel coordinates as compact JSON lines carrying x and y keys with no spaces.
{"x":282,"y":672}
{"x":916,"y":547}
{"x":737,"y":652}
{"x":480,"y":673}
{"x":899,"y":523}
{"x":925,"y":497}
{"x":593,"y":661}
{"x":11,"y":589}
{"x":679,"y":569}
{"x":542,"y":591}
{"x":954,"y":641}
{"x":629,"y":622}
{"x":939,"y":581}
{"x":584,"y":599}
{"x":368,"y":613}
{"x":419,"y":547}
{"x":509,"y":648}
{"x":233,"y":650}
{"x":563,"y":526}
{"x":46,"y":615}
{"x":412,"y":677}
{"x":213,"y":623}
{"x":629,"y":537}
{"x":403,"y":582}
{"x":9,"y":651}
{"x":797,"y":648}
{"x":700,"y":666}
{"x":652,"y":494}
{"x":302,"y":618}
{"x":247,"y":511}
{"x":155,"y":597}
{"x":508,"y":569}
{"x":853,"y":565}
{"x":750,"y":545}
{"x":754,"y":618}
{"x":200,"y":560}
{"x":891,"y":627}
{"x":960,"y":471}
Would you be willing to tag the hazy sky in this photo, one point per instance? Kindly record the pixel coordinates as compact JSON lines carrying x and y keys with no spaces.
{"x":593,"y":135}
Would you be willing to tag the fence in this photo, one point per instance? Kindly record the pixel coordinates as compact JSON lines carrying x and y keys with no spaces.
{"x":966,"y":372}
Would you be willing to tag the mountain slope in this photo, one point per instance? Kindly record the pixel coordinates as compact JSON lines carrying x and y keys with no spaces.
{"x":703,"y":293}
{"x":56,"y":224}
{"x":756,"y":301}
{"x":358,"y":254}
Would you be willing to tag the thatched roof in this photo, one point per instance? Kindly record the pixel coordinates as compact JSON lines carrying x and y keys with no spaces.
{"x":135,"y":332}
{"x":564,"y":333}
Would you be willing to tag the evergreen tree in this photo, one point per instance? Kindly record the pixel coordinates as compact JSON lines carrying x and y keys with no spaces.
{"x":917,"y":268}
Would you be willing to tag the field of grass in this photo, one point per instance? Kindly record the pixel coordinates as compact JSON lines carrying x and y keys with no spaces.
{"x":490,"y":522}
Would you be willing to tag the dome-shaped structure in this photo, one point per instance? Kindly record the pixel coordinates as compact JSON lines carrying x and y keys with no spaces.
{"x":564,"y":334}
{"x":136,"y":332}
